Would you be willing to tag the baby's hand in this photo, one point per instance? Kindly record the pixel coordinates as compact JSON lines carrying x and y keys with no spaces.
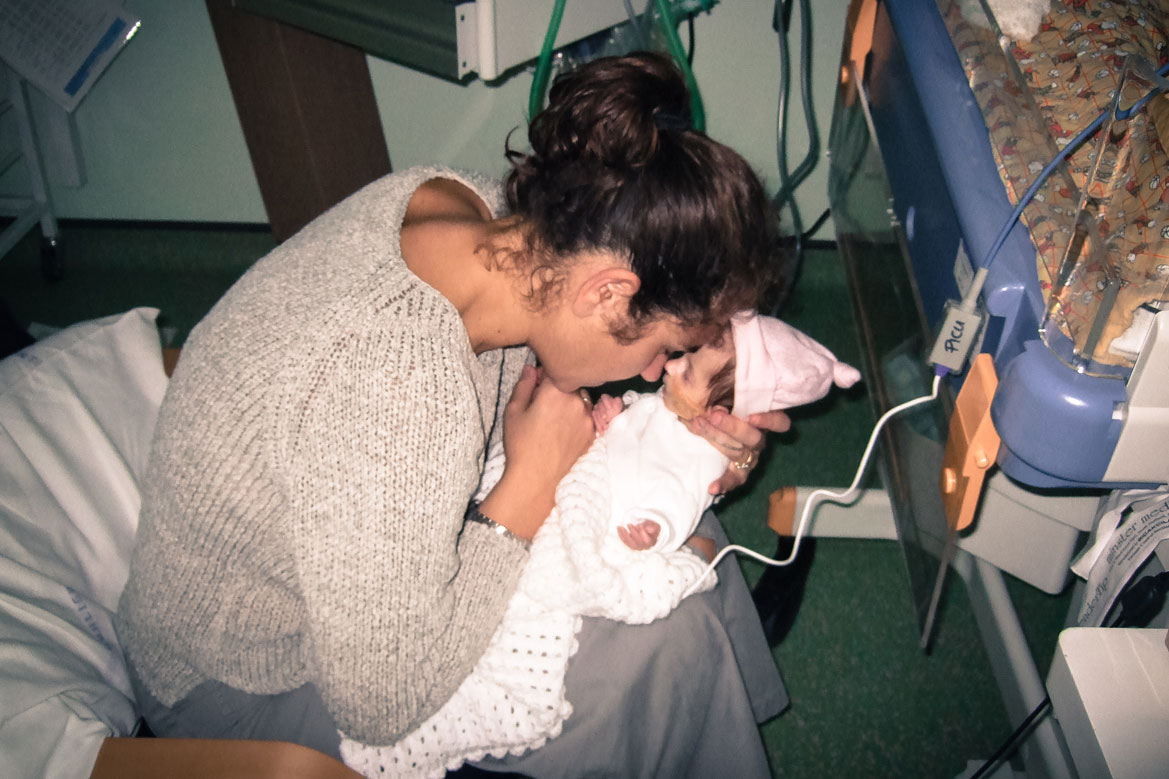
{"x":640,"y":536}
{"x":605,"y":410}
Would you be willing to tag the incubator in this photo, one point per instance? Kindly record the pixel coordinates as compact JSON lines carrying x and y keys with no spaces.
{"x":952,"y":180}
{"x":1093,"y":273}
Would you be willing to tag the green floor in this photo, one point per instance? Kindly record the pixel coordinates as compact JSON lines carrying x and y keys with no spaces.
{"x":866,"y":702}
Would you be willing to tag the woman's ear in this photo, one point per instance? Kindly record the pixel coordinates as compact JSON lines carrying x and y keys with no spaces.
{"x":606,"y":291}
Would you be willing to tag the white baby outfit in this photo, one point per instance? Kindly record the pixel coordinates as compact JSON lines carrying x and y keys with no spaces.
{"x":658,"y":470}
{"x":514,"y":699}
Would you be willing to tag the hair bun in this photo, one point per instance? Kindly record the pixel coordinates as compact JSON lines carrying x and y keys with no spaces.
{"x":612,"y":111}
{"x":616,"y":166}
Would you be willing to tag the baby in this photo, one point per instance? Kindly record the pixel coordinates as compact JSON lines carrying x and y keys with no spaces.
{"x":659,"y":470}
{"x":643,"y":485}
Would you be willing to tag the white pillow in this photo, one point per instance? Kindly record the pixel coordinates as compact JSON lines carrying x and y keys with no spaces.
{"x":77,"y":412}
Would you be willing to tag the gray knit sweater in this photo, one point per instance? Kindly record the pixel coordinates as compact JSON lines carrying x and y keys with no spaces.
{"x":315,"y":452}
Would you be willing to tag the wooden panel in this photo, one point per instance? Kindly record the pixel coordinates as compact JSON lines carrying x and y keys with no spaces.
{"x":308,"y":113}
{"x":197,"y":758}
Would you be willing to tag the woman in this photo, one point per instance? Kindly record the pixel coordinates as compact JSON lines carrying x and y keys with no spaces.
{"x":307,"y":560}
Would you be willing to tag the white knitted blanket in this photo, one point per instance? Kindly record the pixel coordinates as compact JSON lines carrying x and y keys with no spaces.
{"x":514,"y":700}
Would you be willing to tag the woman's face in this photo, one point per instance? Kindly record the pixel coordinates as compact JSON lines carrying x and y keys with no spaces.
{"x":688,"y":377}
{"x":590,"y":357}
{"x":575,"y":339}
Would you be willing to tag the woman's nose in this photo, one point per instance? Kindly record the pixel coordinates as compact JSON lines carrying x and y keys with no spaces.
{"x":653,"y":371}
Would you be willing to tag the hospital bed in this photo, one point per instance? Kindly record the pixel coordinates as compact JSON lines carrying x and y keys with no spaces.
{"x":77,"y":412}
{"x":942,"y":126}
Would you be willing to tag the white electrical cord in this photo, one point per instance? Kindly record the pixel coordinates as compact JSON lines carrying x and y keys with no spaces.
{"x":837,"y":497}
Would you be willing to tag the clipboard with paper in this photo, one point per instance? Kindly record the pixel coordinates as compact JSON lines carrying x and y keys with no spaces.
{"x":63,"y":46}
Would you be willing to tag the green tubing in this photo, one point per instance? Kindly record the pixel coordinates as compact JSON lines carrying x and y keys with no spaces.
{"x":674,"y":43}
{"x":540,"y":79}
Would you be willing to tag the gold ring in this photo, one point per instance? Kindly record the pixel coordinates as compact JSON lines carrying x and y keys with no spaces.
{"x":745,"y":465}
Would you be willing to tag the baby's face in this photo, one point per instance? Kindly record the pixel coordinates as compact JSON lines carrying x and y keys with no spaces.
{"x":687,"y":378}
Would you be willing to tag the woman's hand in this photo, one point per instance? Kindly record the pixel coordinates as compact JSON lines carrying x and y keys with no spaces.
{"x":704,"y":546}
{"x":545,"y":431}
{"x":741,"y":441}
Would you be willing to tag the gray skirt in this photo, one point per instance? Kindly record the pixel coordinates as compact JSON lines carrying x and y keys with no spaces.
{"x":679,"y":697}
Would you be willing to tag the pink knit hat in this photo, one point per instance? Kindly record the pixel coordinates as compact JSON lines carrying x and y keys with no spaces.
{"x":777,"y":366}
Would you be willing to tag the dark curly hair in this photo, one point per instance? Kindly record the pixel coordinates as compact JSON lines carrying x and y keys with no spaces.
{"x":614,"y":166}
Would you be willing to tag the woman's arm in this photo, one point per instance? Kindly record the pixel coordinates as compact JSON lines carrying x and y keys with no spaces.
{"x":400,"y":599}
{"x":545,"y":431}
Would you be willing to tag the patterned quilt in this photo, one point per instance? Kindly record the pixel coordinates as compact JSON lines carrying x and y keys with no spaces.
{"x":1038,"y":94}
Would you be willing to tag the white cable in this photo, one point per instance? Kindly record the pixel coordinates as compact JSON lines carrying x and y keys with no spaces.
{"x":837,"y":497}
{"x":970,"y":299}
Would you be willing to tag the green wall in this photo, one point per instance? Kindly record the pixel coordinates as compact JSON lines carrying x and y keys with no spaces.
{"x":161,"y":140}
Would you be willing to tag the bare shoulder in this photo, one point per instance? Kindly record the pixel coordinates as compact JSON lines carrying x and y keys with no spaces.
{"x":445,"y":200}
